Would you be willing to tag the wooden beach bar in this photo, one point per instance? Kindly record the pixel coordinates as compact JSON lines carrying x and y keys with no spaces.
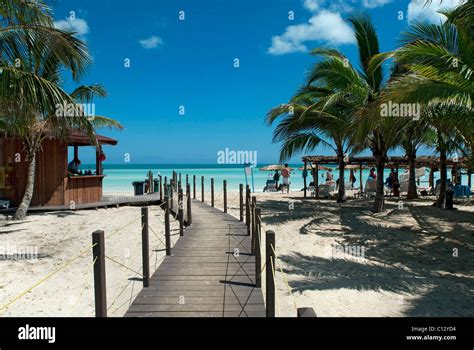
{"x":54,"y":185}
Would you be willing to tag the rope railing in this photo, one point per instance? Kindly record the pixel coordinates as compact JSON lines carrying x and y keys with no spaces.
{"x":98,"y":266}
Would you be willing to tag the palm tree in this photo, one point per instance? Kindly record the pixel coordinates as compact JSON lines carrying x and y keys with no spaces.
{"x":416,"y":134}
{"x":34,"y":53}
{"x":304,"y":123}
{"x":363,"y":87}
{"x":439,"y":60}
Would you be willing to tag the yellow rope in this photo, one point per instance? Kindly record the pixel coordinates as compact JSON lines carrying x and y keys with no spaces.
{"x":153,"y":231}
{"x":122,"y":228}
{"x":44,"y":279}
{"x":125,"y":266}
{"x":284,"y":278}
{"x":274,"y":279}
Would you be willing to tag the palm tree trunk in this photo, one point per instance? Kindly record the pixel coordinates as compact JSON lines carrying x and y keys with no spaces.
{"x":30,"y":186}
{"x":341,"y":193}
{"x":379,"y":204}
{"x":443,"y":175}
{"x":412,"y":193}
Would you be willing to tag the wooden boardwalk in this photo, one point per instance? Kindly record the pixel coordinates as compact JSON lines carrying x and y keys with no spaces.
{"x":210,"y":272}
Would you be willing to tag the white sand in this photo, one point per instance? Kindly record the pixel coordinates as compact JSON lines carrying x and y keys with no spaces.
{"x":59,"y":237}
{"x":408,"y":267}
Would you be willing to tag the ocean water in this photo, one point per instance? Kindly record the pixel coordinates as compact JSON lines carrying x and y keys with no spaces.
{"x":119,"y":177}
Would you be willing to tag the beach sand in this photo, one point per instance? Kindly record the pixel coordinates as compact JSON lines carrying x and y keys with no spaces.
{"x":59,"y":237}
{"x":415,"y":262}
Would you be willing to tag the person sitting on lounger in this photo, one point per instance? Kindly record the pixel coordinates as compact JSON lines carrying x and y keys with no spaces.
{"x":73,"y":166}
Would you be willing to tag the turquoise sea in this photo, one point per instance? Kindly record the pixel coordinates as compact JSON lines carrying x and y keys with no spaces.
{"x":119,"y":177}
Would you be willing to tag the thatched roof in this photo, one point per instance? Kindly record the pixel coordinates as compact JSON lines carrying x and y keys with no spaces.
{"x":273,"y":167}
{"x":421,"y":161}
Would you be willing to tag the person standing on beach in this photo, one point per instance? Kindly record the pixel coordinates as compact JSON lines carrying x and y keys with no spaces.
{"x":285,"y":172}
{"x":276,"y":178}
{"x":352,"y":178}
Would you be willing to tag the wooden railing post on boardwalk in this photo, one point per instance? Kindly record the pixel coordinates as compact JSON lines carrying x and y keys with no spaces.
{"x":181,"y":212}
{"x":225,"y":196}
{"x":167,"y":226}
{"x":194,"y":186}
{"x":253,"y":224}
{"x":188,"y":193}
{"x":161,"y":187}
{"x":305,"y":312}
{"x":258,"y":252}
{"x":247,"y":209}
{"x":145,"y":248}
{"x":187,"y":180}
{"x":98,"y":256}
{"x":212,"y":192}
{"x":171,"y":195}
{"x":241,"y":202}
{"x":270,"y":272}
{"x":202,"y":189}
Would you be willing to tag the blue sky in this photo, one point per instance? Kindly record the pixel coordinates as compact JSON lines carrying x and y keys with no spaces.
{"x":190,"y":63}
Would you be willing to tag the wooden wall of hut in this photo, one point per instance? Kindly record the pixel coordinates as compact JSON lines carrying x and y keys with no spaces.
{"x":51,"y":170}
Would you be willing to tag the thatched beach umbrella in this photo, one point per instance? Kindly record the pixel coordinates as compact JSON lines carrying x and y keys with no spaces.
{"x":310,"y":168}
{"x":274,"y":167}
{"x":355,"y":167}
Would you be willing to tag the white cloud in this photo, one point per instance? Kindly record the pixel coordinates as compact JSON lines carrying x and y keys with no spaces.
{"x":151,"y":43}
{"x":312,"y":5}
{"x":77,"y":25}
{"x":375,"y":3}
{"x":328,"y":27}
{"x":418,"y":11}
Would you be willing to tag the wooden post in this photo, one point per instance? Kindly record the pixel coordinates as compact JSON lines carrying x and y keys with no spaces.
{"x":145,"y":248}
{"x":241,"y":202}
{"x":187,"y":180}
{"x":225,"y":196}
{"x":98,"y":256}
{"x":202,"y":189}
{"x":188,"y":192}
{"x":431,"y":178}
{"x":179,"y":179}
{"x":254,"y":224}
{"x":316,"y":181}
{"x":212,"y":192}
{"x":194,"y":186}
{"x":304,"y":177}
{"x":360,"y":178}
{"x":258,"y":252}
{"x":161,"y":188}
{"x":247,"y":209}
{"x":167,"y":226}
{"x":270,"y":271}
{"x":306,"y":312}
{"x":171,"y":194}
{"x":181,"y":212}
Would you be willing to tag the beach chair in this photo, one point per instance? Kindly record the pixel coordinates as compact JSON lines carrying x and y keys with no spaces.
{"x":370,"y":188}
{"x":270,"y":186}
{"x":324,"y":191}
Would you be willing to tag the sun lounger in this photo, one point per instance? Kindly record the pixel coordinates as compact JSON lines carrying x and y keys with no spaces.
{"x":270,"y":186}
{"x":370,"y":188}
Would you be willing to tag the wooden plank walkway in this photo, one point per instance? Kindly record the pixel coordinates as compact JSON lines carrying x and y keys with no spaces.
{"x":203,"y":277}
{"x":107,"y":202}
